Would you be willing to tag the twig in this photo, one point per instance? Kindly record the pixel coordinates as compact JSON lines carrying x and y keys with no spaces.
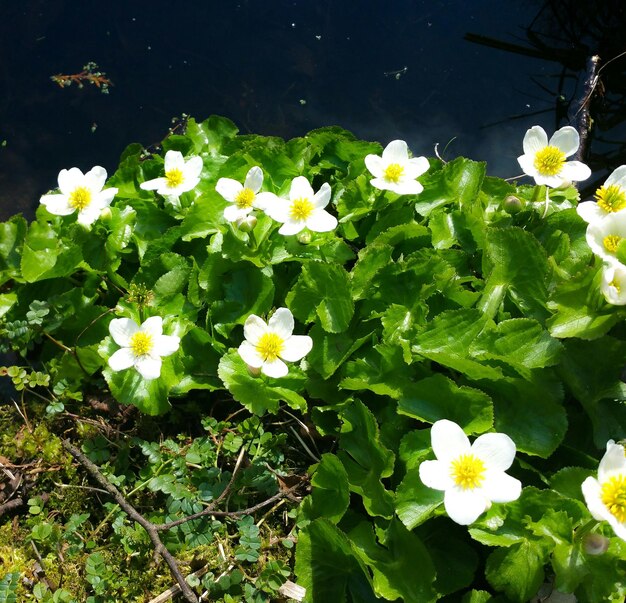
{"x":12,"y":504}
{"x":583,"y":118}
{"x":174,"y":590}
{"x":148,"y":526}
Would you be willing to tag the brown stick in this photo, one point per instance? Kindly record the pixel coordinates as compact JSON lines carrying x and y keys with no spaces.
{"x":148,"y":526}
{"x":583,"y":117}
{"x":12,"y":504}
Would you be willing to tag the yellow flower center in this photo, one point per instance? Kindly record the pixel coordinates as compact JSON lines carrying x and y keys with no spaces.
{"x":549,"y":161}
{"x":613,"y":495}
{"x":615,"y":284}
{"x":301,"y":209}
{"x":611,"y":198}
{"x":270,"y":346}
{"x":468,"y":471}
{"x":393,"y":172}
{"x":611,"y":242}
{"x":244,"y":198}
{"x":80,"y":198}
{"x":174,"y":178}
{"x":141,"y":343}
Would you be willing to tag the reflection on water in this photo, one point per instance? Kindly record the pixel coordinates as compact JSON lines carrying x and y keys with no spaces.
{"x":383,"y":70}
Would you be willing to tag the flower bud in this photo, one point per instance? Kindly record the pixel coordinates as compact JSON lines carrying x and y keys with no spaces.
{"x":106,"y":214}
{"x":252,"y":371}
{"x":304,"y":237}
{"x":246,"y":224}
{"x":595,"y":544}
{"x":513,"y":205}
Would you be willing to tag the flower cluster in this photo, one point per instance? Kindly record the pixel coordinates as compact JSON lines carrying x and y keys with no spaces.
{"x":606,"y":229}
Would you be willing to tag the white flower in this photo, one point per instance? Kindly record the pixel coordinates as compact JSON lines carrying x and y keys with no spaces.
{"x":472,"y":476}
{"x":605,"y":235}
{"x":394,"y":171}
{"x":613,"y":284}
{"x":545,"y":160}
{"x":141,"y":346}
{"x":267,"y":345}
{"x":244,"y":197}
{"x":610,"y":198}
{"x":80,"y":192}
{"x":606,"y":496}
{"x":304,"y":209}
{"x":180,"y":176}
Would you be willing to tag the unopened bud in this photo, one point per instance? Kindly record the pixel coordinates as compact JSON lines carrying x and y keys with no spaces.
{"x":595,"y":544}
{"x":106,"y":214}
{"x":253,"y":371}
{"x":246,"y":224}
{"x":304,"y":237}
{"x":513,"y":204}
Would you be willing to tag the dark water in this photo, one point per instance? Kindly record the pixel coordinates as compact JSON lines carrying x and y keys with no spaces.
{"x":283,"y":68}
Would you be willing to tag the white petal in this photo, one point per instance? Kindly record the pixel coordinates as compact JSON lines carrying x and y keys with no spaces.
{"x":291,"y":227}
{"x":278,"y":210}
{"x":566,"y":139}
{"x":174,"y":161}
{"x":250,"y":355}
{"x":415,"y":167}
{"x":592,"y":491}
{"x":464,"y":506}
{"x":281,"y":323}
{"x":448,"y":440}
{"x":296,"y":348}
{"x":122,"y":329}
{"x":164,"y":345}
{"x":152,"y":326}
{"x":300,"y":188}
{"x":535,"y":139}
{"x":277,"y":368}
{"x":551,"y":181}
{"x":322,"y":196}
{"x":527,"y":163}
{"x":89,"y":215}
{"x":501,"y":488}
{"x":321,"y":221}
{"x":253,"y":328}
{"x":381,"y":184}
{"x":57,"y":204}
{"x":375,"y":165}
{"x":95,"y":178}
{"x":70,"y":179}
{"x":575,"y":171}
{"x":233,"y":213}
{"x":406,"y":187}
{"x":103,"y":199}
{"x":154,"y":184}
{"x":436,"y":475}
{"x":254,"y":179}
{"x":614,"y":295}
{"x":149,"y":367}
{"x":496,"y":450}
{"x":618,"y":177}
{"x":189,"y":183}
{"x":122,"y":359}
{"x":228,"y":188}
{"x":264,"y":200}
{"x":193,"y":168}
{"x":590,"y":211}
{"x":396,"y":152}
{"x":612,"y":462}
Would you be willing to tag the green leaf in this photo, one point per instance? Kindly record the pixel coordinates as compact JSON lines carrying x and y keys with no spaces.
{"x":330,"y":496}
{"x":260,"y":394}
{"x":515,"y":264}
{"x":327,"y":566}
{"x":447,"y":340}
{"x":365,"y":459}
{"x":8,"y":587}
{"x":517,"y":571}
{"x":415,"y":502}
{"x":40,"y":252}
{"x":393,"y":564}
{"x":438,"y":397}
{"x":323,"y":289}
